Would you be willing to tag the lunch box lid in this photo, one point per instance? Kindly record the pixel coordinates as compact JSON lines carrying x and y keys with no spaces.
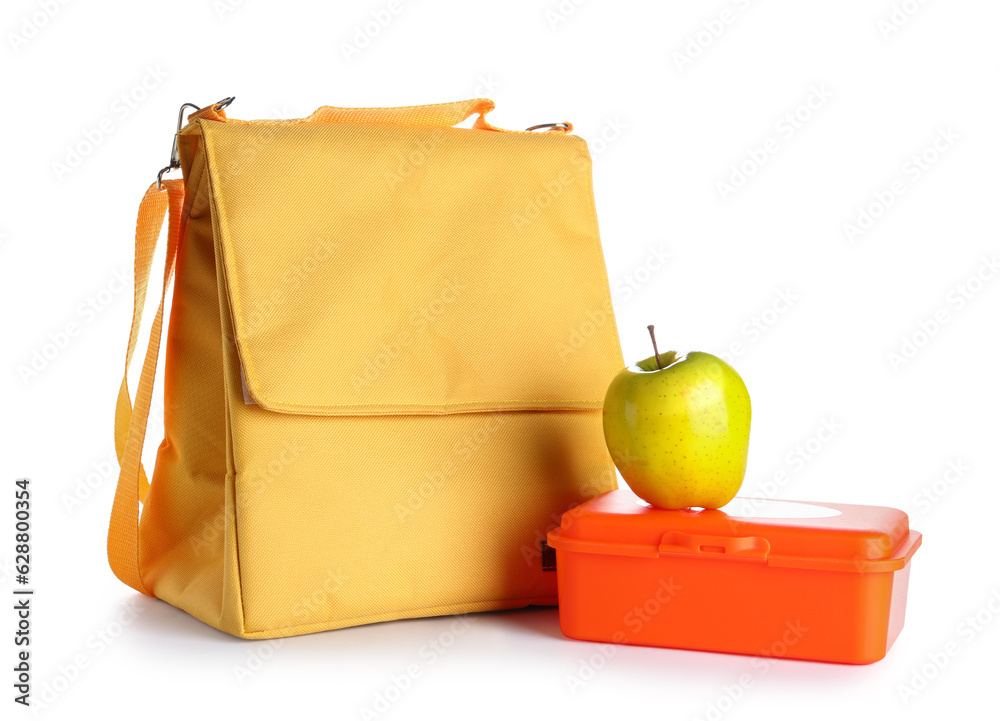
{"x":786,"y":534}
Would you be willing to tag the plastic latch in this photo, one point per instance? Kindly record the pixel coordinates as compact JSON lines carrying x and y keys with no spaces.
{"x":677,"y":543}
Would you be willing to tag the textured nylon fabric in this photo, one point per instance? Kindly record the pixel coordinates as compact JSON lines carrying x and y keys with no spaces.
{"x":448,"y":283}
{"x":388,"y":347}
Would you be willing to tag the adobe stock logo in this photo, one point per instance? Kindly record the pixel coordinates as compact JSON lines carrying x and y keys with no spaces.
{"x":91,"y":137}
{"x":365,"y":33}
{"x":786,"y":127}
{"x":633,"y":622}
{"x":594,"y":319}
{"x":898,"y":17}
{"x":938,"y":660}
{"x":628,"y":285}
{"x":956,"y":299}
{"x":915,"y":167}
{"x":534,"y":205}
{"x":58,"y":340}
{"x":429,"y":653}
{"x":760,"y":323}
{"x":562,"y":12}
{"x":31,"y":25}
{"x":712,"y":28}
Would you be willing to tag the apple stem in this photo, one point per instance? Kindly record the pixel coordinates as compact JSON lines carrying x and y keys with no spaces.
{"x":656,"y":352}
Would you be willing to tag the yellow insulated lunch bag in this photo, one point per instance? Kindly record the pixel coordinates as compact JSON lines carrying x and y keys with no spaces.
{"x":388,"y":346}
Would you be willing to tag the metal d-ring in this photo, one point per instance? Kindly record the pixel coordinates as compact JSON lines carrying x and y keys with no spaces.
{"x":563,"y":126}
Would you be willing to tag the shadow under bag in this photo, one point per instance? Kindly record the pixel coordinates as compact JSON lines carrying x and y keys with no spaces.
{"x":388,"y":347}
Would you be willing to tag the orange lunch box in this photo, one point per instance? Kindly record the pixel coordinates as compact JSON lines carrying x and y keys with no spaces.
{"x":817,"y":581}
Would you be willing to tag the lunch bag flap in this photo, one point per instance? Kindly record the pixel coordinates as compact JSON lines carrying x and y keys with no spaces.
{"x":453,"y":270}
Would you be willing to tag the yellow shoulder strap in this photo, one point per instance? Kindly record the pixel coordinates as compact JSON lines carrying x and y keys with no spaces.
{"x":440,"y":114}
{"x":130,"y":423}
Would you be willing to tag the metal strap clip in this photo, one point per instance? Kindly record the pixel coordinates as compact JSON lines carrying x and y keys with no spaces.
{"x":175,"y":155}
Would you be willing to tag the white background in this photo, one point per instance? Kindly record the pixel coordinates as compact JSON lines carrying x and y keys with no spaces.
{"x":664,"y":133}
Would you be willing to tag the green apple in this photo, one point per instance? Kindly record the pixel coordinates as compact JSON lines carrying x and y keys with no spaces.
{"x":678,"y":428}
